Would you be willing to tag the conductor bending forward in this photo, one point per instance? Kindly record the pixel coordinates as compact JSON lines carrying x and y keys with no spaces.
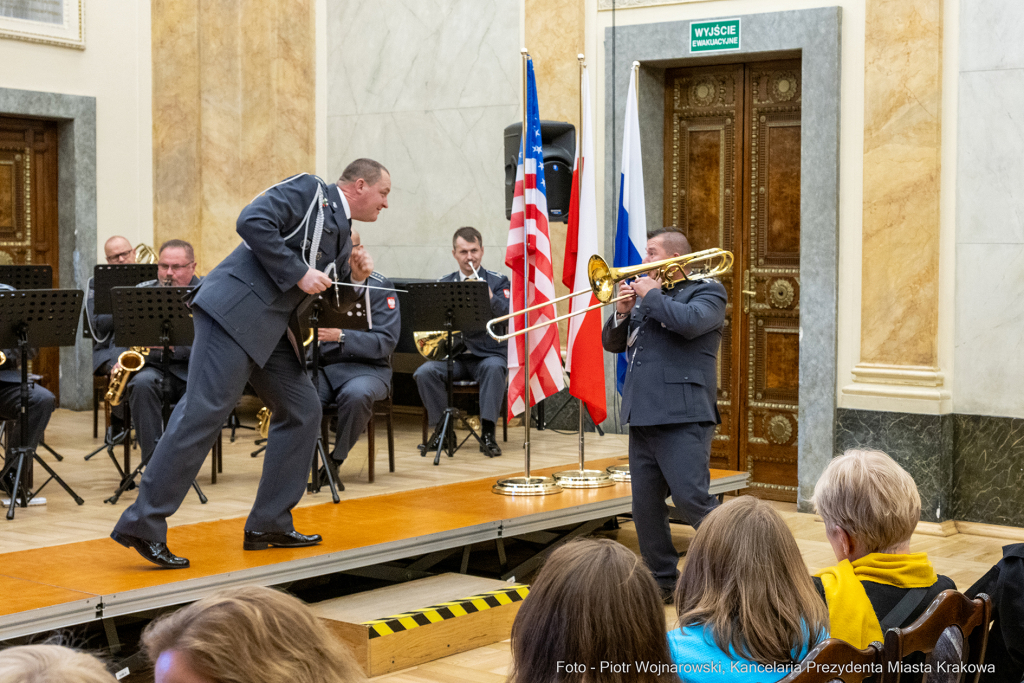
{"x":296,"y":242}
{"x":669,"y":397}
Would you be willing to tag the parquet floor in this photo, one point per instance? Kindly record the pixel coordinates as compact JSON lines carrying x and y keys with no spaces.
{"x":962,"y":557}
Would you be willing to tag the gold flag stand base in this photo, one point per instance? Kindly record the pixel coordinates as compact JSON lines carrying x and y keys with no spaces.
{"x":583,"y":479}
{"x":526,"y":486}
{"x":619,"y":472}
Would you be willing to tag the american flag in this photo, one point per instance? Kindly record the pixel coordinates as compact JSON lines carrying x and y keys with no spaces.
{"x":528,"y":233}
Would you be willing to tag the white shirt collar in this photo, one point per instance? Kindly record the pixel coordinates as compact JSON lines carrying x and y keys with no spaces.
{"x":344,"y":204}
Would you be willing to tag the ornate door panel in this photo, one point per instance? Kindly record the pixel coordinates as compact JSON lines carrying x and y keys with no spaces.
{"x":770,"y":270}
{"x":732,"y":179}
{"x":28,"y":210}
{"x":703,"y":173}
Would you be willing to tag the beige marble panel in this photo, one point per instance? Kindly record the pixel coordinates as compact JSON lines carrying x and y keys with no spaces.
{"x":234,"y":112}
{"x":555,"y":31}
{"x":176,"y":207}
{"x":902,"y":129}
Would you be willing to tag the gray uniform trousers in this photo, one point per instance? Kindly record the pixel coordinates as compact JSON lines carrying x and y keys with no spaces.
{"x":664,"y":459}
{"x":355,"y":399}
{"x":218,"y":371}
{"x":488,"y":371}
{"x":40,"y":407}
{"x":146,"y":399}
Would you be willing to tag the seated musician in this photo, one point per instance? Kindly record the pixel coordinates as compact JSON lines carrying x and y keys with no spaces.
{"x":176,"y":267}
{"x":40,"y":406}
{"x":118,"y":251}
{"x":484,"y":359}
{"x":355,"y":367}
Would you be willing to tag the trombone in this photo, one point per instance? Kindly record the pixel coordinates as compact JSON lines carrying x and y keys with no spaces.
{"x":603,"y":279}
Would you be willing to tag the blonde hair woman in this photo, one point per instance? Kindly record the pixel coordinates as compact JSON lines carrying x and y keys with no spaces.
{"x":871,"y":507}
{"x":246,"y":635}
{"x":592,"y":615}
{"x":746,"y":603}
{"x":50,"y":664}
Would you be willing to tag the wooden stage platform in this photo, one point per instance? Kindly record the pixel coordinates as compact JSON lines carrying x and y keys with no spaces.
{"x":57,"y":586}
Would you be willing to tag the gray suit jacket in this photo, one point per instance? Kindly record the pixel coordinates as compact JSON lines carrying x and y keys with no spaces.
{"x":672,"y":374}
{"x":253,"y":293}
{"x":480,"y":343}
{"x":366,"y":352}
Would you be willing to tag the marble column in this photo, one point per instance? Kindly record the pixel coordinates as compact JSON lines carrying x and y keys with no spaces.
{"x":899,"y":366}
{"x":233,"y":112}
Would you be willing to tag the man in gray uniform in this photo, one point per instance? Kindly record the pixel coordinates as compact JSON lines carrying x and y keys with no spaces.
{"x":40,"y":406}
{"x":669,"y":398}
{"x":295,"y":244}
{"x":484,"y":359}
{"x":176,"y":267}
{"x":355,"y":367}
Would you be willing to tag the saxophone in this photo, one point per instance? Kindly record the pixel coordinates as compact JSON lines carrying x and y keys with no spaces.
{"x":130,"y":361}
{"x":263,"y":417}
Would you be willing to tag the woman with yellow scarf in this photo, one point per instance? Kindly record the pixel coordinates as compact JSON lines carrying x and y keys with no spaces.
{"x":870,"y":506}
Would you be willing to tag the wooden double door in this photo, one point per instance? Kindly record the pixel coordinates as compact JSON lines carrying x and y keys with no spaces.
{"x":732,"y":180}
{"x":28,"y":211}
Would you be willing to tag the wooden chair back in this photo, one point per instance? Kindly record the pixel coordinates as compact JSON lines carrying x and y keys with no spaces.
{"x":837,"y":660}
{"x":949,"y":608}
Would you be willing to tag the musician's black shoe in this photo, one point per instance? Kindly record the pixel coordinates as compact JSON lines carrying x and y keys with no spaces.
{"x":489,"y":445}
{"x":334,"y":471}
{"x":667,"y":594}
{"x":261,"y":540}
{"x":435,"y":440}
{"x":154,"y":551}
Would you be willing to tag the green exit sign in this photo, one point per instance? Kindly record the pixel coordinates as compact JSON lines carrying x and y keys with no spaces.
{"x":708,"y":36}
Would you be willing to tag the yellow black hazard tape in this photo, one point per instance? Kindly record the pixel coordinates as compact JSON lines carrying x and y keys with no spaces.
{"x":446,"y":610}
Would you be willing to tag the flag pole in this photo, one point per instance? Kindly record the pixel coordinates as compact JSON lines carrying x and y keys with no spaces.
{"x":581,"y":478}
{"x":621,"y":472}
{"x":526,"y":485}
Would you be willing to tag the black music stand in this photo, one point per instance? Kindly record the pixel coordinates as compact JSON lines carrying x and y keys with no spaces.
{"x":450,"y":306}
{"x":322,"y":314}
{"x":40,"y":318}
{"x":27,"y":277}
{"x":151,"y":316}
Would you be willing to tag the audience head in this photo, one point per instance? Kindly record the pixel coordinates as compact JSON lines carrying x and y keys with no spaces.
{"x":593,"y":601}
{"x":468,"y":247}
{"x":246,"y":635}
{"x":869,"y":504}
{"x":118,"y":250}
{"x":746,"y":581}
{"x":50,"y":664}
{"x":176,"y":264}
{"x":366,"y":185}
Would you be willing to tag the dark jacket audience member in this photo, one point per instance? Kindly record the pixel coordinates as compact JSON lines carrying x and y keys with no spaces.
{"x":870,"y":507}
{"x":247,"y":635}
{"x":594,"y":614}
{"x":1004,"y":583}
{"x":747,"y":606}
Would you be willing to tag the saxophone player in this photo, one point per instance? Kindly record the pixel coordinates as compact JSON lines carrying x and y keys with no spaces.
{"x":40,"y":406}
{"x":176,"y":267}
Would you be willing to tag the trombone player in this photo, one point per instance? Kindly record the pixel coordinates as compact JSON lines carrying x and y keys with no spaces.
{"x":669,"y":398}
{"x":484,"y":360}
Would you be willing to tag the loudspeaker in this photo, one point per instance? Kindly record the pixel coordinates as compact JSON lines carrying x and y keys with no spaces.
{"x":559,"y":142}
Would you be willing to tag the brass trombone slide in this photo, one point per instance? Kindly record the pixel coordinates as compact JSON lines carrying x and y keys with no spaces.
{"x":603,"y":279}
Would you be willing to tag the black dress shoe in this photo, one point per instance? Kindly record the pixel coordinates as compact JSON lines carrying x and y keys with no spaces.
{"x":154,"y":551}
{"x":489,"y":446}
{"x":322,"y":473}
{"x":667,"y":594}
{"x":261,"y":540}
{"x":435,"y":440}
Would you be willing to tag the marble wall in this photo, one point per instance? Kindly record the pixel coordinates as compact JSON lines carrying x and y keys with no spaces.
{"x":426,"y":89}
{"x":902,"y":129}
{"x":233,"y":112}
{"x":989,"y":318}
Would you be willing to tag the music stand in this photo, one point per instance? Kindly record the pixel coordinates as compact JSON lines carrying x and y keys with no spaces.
{"x":27,"y":277}
{"x":41,"y":318}
{"x":321,"y":314}
{"x":450,"y":306}
{"x":151,"y":316}
{"x":108,"y":276}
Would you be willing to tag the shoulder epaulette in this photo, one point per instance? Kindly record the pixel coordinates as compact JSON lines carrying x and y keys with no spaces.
{"x":377,"y":276}
{"x":148,"y":283}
